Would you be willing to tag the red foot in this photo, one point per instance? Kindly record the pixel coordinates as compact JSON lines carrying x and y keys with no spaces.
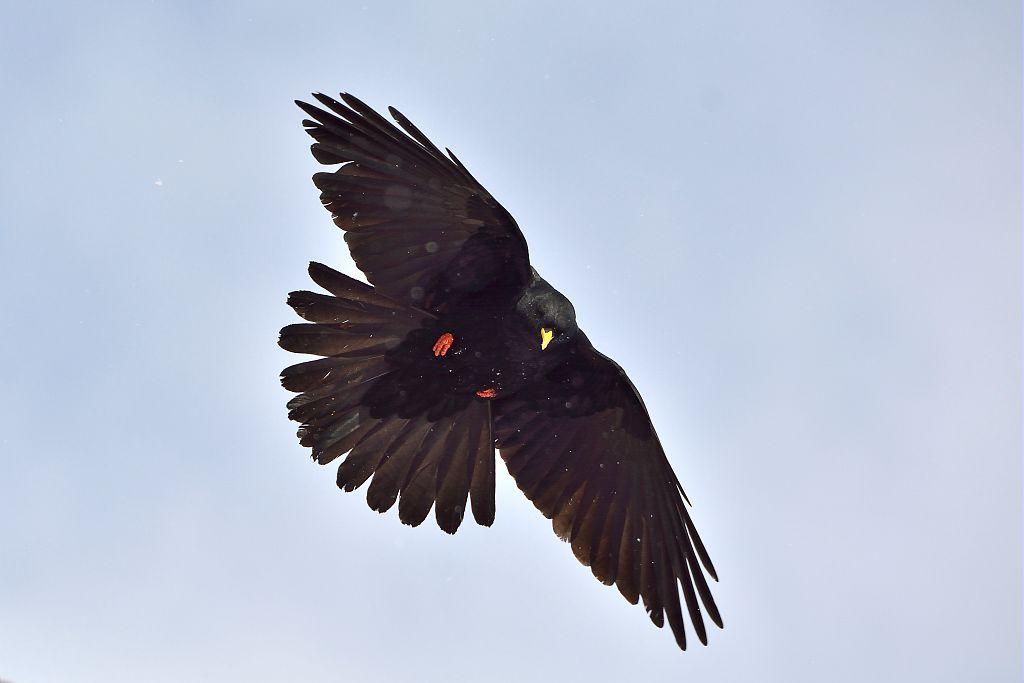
{"x":443,"y":343}
{"x":487,"y":393}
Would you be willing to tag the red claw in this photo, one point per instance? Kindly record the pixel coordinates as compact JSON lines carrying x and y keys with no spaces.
{"x":487,"y":393}
{"x":443,"y":343}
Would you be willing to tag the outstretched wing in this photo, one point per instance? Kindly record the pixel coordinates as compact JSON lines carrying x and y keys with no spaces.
{"x":581,"y":446}
{"x":418,"y":225}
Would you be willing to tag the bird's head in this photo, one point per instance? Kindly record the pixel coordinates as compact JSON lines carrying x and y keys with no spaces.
{"x":549,"y":315}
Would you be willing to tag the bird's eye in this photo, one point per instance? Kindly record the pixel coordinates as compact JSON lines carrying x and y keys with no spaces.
{"x":545,"y":337}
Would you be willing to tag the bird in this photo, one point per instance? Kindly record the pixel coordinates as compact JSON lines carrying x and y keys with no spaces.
{"x":455,"y":348}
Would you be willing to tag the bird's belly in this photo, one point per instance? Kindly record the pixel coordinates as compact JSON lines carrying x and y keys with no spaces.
{"x":483,"y":363}
{"x":485,"y":355}
{"x":489,"y":354}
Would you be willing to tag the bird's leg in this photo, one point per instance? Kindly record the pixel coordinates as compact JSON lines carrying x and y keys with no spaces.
{"x":487,"y":393}
{"x":443,"y":343}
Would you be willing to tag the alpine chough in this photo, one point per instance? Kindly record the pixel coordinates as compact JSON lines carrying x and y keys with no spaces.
{"x":460,"y":347}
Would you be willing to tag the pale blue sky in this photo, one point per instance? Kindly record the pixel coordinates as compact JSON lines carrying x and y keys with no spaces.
{"x":795,"y":224}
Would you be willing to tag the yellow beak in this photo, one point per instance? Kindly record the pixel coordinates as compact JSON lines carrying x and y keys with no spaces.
{"x":545,"y":337}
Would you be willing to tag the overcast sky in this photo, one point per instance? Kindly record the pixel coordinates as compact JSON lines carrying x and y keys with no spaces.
{"x":795,"y":224}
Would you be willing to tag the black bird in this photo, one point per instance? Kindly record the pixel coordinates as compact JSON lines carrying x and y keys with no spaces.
{"x":460,"y":347}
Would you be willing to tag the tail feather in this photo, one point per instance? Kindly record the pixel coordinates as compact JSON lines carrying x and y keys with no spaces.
{"x":434,"y":451}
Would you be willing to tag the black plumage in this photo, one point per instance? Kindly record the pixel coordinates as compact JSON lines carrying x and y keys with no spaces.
{"x":458,"y":347}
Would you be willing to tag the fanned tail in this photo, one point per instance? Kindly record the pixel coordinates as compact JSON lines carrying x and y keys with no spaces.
{"x":422,"y":460}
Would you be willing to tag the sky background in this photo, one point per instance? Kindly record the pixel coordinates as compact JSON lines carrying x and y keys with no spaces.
{"x":795,"y":224}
